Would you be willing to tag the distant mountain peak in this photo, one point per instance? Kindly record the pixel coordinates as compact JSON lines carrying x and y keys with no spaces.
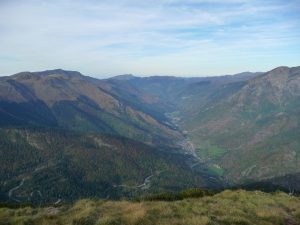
{"x":285,"y":69}
{"x":124,"y":77}
{"x":48,"y":73}
{"x":65,"y":73}
{"x":282,"y":71}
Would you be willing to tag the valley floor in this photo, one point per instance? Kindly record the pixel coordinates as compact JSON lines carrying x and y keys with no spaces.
{"x":228,"y":207}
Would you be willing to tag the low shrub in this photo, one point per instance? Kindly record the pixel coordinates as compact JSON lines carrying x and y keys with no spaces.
{"x":188,"y":193}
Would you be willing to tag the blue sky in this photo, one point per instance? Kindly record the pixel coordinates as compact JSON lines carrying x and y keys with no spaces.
{"x":158,"y":37}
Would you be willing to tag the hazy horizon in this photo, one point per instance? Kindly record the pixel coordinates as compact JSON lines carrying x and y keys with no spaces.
{"x":167,"y":37}
{"x":104,"y":76}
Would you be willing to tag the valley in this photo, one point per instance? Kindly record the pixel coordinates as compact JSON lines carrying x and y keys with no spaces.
{"x":66,"y":136}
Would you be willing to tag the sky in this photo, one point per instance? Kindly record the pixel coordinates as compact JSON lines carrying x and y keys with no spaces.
{"x":149,"y":37}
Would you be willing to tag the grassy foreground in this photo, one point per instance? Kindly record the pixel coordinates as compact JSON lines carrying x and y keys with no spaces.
{"x":229,"y":207}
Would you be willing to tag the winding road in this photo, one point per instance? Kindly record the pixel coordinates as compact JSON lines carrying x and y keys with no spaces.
{"x":145,"y":185}
{"x":11,"y":191}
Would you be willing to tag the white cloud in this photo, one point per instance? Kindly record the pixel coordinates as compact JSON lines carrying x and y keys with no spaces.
{"x":145,"y":37}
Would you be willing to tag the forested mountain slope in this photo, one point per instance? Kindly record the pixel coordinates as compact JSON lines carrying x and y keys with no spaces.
{"x":250,"y":130}
{"x":69,"y":100}
{"x":48,"y":165}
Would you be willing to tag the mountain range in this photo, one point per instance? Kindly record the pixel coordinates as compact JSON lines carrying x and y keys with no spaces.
{"x":66,"y":136}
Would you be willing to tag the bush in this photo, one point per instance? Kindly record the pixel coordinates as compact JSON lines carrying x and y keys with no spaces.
{"x":188,"y":193}
{"x":194,"y":193}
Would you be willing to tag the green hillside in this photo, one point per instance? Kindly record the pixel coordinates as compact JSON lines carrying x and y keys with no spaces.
{"x":251,"y":129}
